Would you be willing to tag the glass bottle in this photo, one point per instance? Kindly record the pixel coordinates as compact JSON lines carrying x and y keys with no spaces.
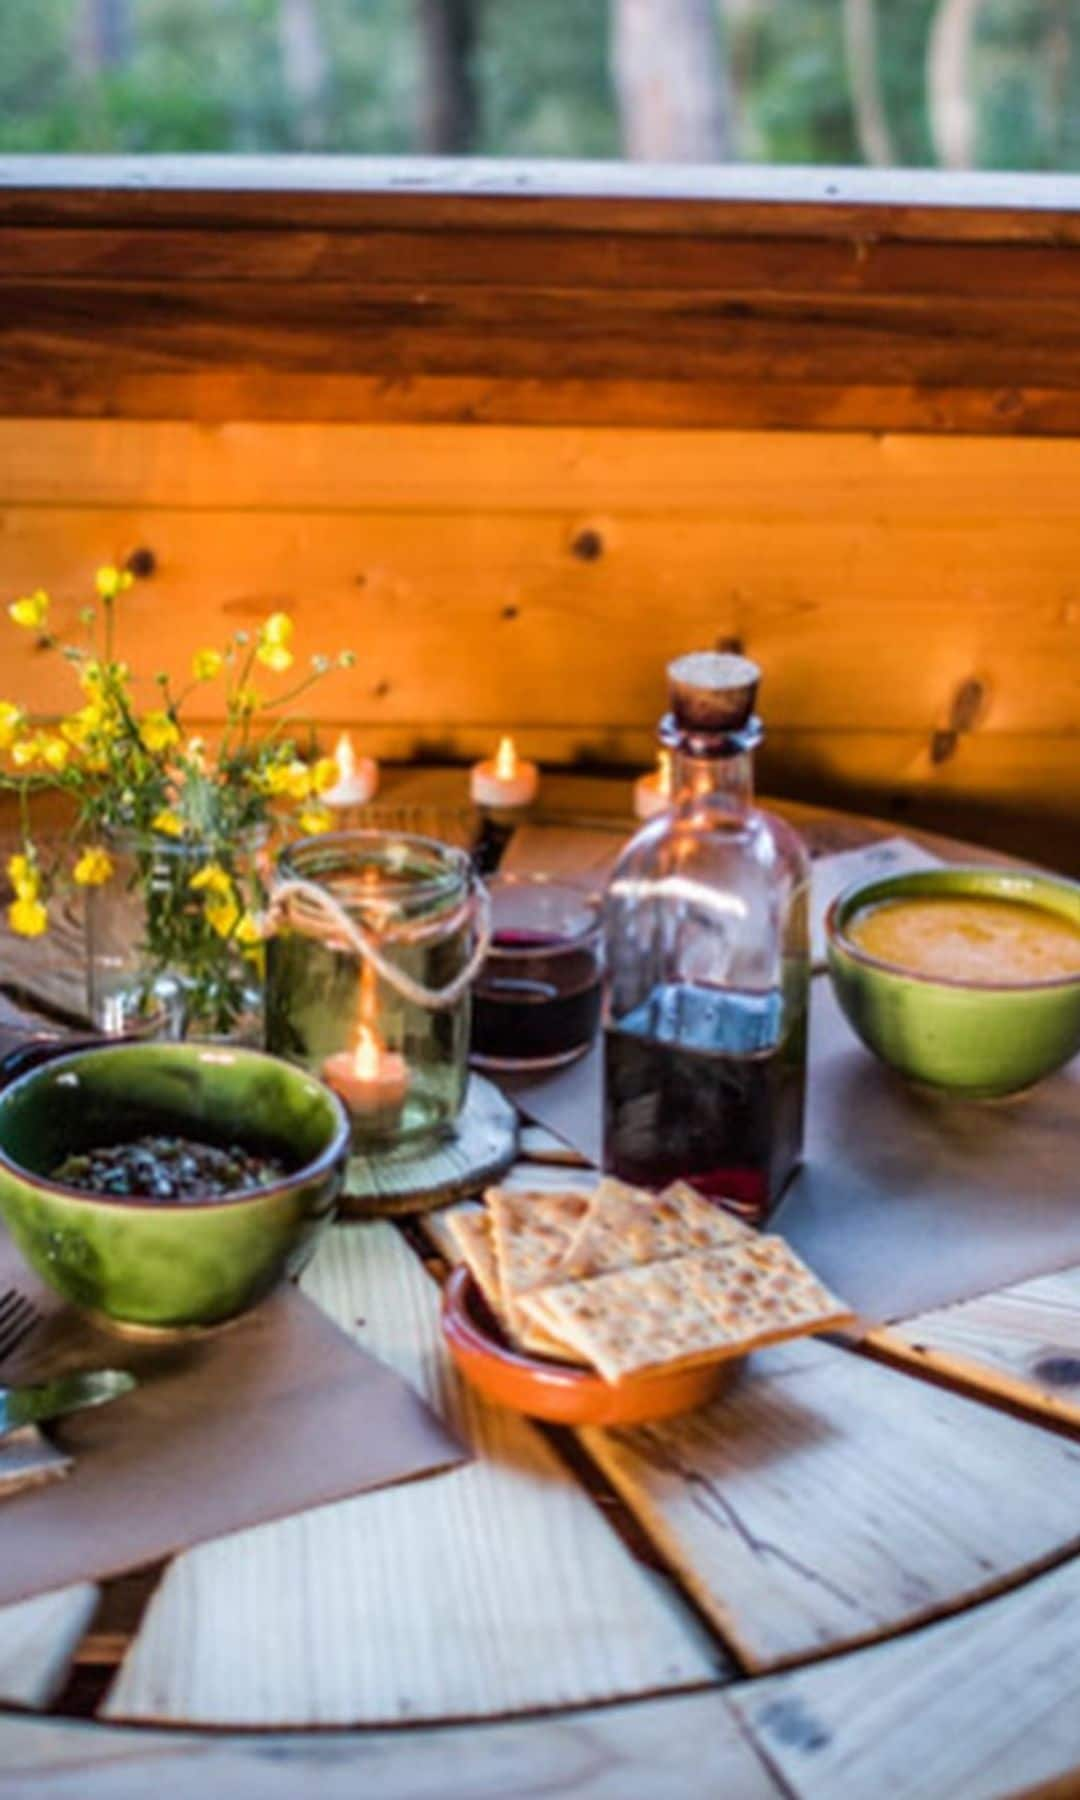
{"x":708,"y":964}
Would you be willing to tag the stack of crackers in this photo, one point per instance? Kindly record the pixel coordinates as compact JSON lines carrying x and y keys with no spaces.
{"x":631,"y":1282}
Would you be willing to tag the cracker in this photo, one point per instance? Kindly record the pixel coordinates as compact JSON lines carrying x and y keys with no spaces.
{"x":627,"y":1226}
{"x":703,"y":1307}
{"x":470,"y":1233}
{"x":531,"y":1234}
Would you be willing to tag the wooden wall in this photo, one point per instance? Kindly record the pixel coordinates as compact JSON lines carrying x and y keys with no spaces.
{"x":913,"y":596}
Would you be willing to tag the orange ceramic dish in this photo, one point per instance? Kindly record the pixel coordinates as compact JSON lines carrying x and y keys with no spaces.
{"x":558,"y":1391}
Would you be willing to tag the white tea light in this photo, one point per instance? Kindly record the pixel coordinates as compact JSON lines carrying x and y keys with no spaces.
{"x":358,"y":777}
{"x":654,"y":793}
{"x":504,"y":780}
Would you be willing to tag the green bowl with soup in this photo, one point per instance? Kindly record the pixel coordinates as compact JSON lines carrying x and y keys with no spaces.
{"x":965,"y":979}
{"x":248,"y":1168}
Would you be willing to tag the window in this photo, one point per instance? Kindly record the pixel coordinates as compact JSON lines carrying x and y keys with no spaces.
{"x":991,"y":84}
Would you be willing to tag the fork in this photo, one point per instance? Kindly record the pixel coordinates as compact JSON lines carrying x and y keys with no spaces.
{"x":18,"y":1316}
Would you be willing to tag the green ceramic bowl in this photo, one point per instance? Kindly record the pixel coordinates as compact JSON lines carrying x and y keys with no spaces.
{"x":977,"y":1041}
{"x":162,"y":1265}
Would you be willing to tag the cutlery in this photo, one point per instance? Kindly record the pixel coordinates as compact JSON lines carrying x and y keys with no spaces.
{"x":31,"y":1404}
{"x":18,"y":1316}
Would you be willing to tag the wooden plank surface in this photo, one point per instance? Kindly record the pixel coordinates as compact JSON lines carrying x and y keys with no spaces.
{"x":497,"y":1590}
{"x":1021,"y":1344}
{"x":976,"y":1708}
{"x":827,"y":1499}
{"x":38,"y":1641}
{"x":335,"y":288}
{"x":684,"y":1748}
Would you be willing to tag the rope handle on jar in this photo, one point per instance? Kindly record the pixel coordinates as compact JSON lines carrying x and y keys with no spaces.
{"x":328,"y":912}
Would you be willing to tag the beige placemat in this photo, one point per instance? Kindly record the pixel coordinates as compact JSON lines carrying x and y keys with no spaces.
{"x":276,"y":1413}
{"x":905,"y":1201}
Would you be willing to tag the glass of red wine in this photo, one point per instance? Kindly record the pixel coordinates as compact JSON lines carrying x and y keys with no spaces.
{"x":537,"y":998}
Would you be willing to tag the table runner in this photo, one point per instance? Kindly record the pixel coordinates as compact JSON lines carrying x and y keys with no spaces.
{"x":264,"y":1417}
{"x":905,"y":1201}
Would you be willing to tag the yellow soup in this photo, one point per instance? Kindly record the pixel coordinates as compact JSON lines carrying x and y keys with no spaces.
{"x":994,"y":943}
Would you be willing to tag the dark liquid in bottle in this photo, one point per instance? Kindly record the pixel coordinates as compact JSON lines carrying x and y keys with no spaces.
{"x":700,"y":1086}
{"x":533,"y":1007}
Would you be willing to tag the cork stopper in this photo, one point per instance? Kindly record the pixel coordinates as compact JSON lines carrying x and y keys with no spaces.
{"x":712,"y":694}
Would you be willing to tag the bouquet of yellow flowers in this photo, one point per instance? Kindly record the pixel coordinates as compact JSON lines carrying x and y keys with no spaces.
{"x":160,"y":813}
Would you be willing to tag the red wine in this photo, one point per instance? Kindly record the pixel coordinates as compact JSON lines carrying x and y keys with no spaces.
{"x":536,"y":1000}
{"x":700,"y":1086}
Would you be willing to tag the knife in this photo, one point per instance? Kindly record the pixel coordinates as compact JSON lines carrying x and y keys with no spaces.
{"x":67,"y":1394}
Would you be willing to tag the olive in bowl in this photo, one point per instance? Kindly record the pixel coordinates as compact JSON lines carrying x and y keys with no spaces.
{"x":964,"y":979}
{"x":168,"y":1186}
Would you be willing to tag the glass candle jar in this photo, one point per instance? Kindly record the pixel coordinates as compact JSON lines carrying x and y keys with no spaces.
{"x":367,"y":971}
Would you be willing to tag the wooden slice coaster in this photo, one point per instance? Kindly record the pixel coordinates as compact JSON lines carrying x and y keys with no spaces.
{"x":415,"y":1179}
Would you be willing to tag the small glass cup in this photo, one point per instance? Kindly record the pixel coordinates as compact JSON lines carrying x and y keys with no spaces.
{"x":537,"y":998}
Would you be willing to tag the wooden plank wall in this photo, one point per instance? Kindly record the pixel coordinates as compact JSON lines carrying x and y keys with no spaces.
{"x":914,"y":601}
{"x":518,"y":444}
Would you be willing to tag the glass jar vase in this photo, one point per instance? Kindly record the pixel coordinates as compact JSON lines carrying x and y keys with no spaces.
{"x":375,"y":938}
{"x":168,"y":938}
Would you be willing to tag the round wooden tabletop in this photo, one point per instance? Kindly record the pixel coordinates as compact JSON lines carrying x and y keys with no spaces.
{"x":855,"y":1573}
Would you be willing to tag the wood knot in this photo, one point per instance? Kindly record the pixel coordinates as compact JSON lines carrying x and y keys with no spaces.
{"x":587,"y":545}
{"x":1058,"y":1371}
{"x":732,"y":645}
{"x":792,"y":1723}
{"x":968,"y":704}
{"x":510,"y":612}
{"x":142,"y":563}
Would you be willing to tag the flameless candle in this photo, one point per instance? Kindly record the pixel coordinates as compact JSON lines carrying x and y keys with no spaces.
{"x":358,"y":777}
{"x":653,"y":793}
{"x":504,"y":780}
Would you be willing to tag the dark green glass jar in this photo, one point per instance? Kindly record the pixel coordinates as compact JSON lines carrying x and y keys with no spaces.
{"x":367,"y":973}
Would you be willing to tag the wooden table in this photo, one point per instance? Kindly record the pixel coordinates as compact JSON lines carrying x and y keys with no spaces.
{"x":855,"y":1574}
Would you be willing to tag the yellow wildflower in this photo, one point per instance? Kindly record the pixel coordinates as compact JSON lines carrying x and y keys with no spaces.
{"x":222,"y":915}
{"x":247,"y":931}
{"x":24,"y":876}
{"x":111,"y":581}
{"x":205,"y":664}
{"x":28,"y":918}
{"x":55,"y":753}
{"x":158,"y":732}
{"x":10,"y":720}
{"x":297,"y":780}
{"x":275,"y":637}
{"x":324,"y":775}
{"x":167,"y":822}
{"x":316,"y":819}
{"x":26,"y":751}
{"x":31,"y":611}
{"x":93,"y":867}
{"x":212,"y":879}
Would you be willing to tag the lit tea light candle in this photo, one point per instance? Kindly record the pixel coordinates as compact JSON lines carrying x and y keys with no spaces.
{"x":358,"y":777}
{"x":372,"y":1081}
{"x":653,"y":793}
{"x":504,"y":780}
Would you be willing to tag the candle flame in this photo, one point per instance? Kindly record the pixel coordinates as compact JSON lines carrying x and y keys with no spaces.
{"x":345,"y":757}
{"x":506,"y":759}
{"x":367,"y":1057}
{"x":665,"y":773}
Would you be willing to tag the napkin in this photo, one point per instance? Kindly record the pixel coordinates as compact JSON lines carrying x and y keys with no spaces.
{"x":273,"y":1413}
{"x":27,"y":1460}
{"x":830,"y":875}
